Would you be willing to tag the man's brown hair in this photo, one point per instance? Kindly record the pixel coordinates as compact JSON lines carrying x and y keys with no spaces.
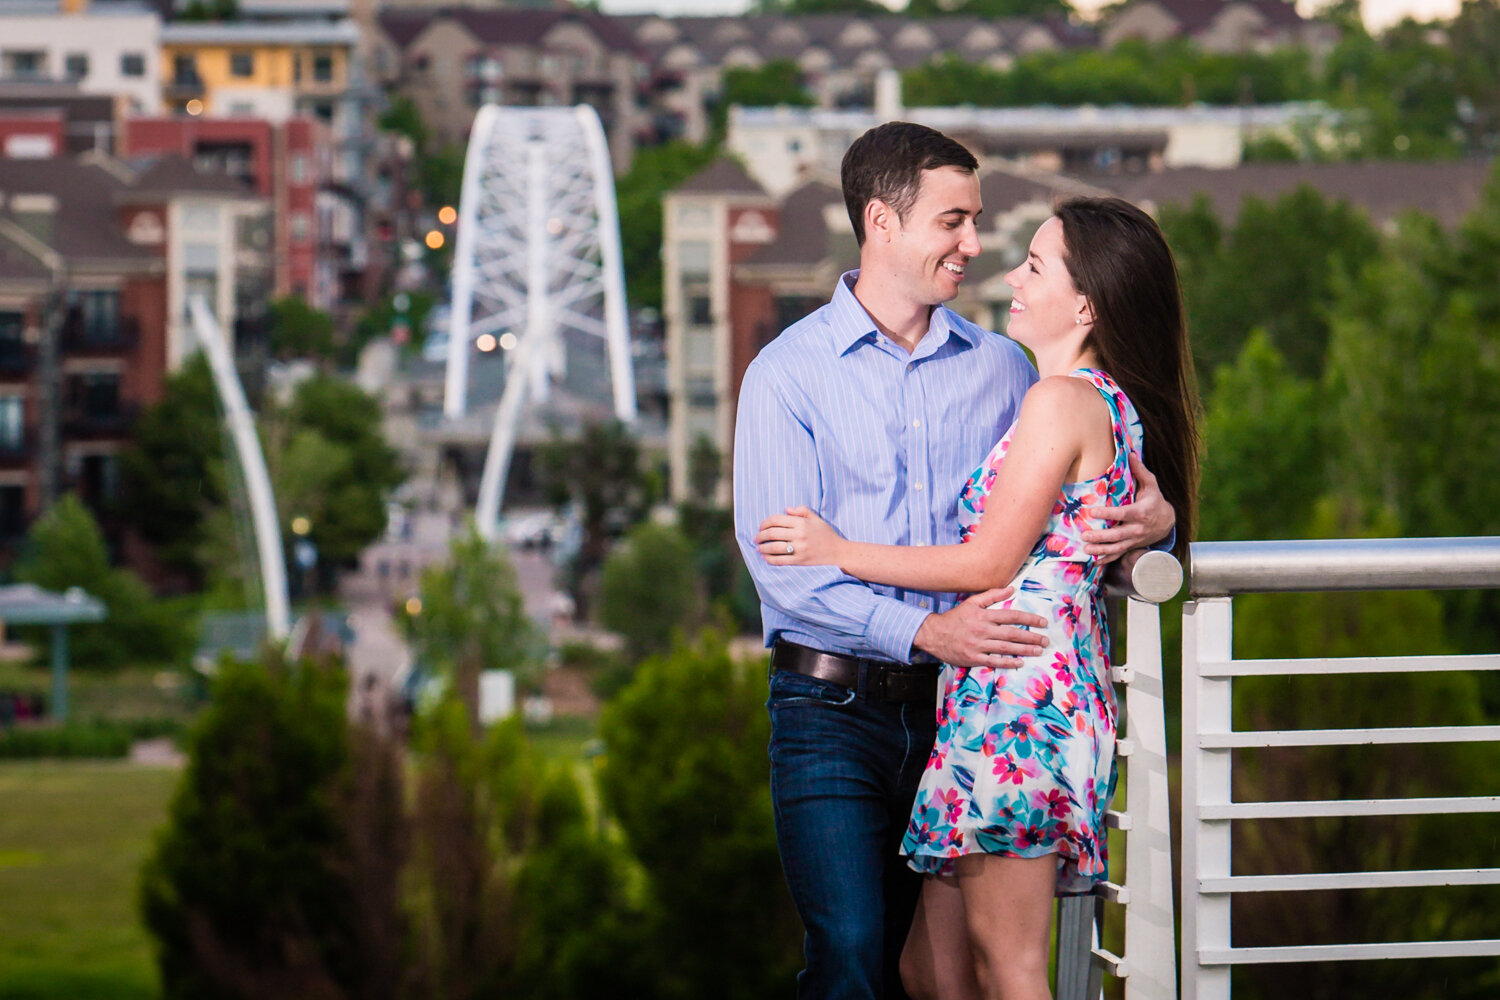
{"x":887,"y":163}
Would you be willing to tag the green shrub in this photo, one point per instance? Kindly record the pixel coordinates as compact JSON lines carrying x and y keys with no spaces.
{"x":88,"y":739}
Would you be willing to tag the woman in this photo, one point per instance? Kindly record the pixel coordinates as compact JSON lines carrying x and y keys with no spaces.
{"x":1011,"y":809}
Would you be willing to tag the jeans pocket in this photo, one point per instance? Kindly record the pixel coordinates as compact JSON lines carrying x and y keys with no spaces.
{"x":788,"y":688}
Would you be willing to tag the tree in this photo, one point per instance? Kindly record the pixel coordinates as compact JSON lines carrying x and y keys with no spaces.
{"x":173,"y":472}
{"x":1475,"y":41}
{"x":331,"y":464}
{"x":472,"y":619}
{"x":64,"y":549}
{"x":778,"y":81}
{"x":1265,"y":448}
{"x":649,"y":589}
{"x":1415,"y":375}
{"x":1275,"y":268}
{"x":601,"y":473}
{"x":256,"y":885}
{"x":300,"y":331}
{"x":685,"y":775}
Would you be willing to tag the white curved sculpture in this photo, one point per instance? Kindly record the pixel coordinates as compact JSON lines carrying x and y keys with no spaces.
{"x":538,"y":251}
{"x":252,"y":462}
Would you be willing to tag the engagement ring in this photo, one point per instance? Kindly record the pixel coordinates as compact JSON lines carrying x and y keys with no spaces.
{"x":789,"y":549}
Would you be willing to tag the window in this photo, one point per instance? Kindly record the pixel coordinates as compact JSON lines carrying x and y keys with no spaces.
{"x":185,"y":70}
{"x":27,"y":64}
{"x":323,"y":67}
{"x":100,"y":477}
{"x":99,"y":313}
{"x":700,"y":310}
{"x":96,"y":394}
{"x":242,"y":64}
{"x":132,"y":64}
{"x":12,"y":511}
{"x":12,"y":423}
{"x":297,"y":168}
{"x":301,"y":226}
{"x":76,"y":65}
{"x":12,"y":328}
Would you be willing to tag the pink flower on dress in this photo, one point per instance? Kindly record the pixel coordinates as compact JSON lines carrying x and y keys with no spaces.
{"x":1051,"y":801}
{"x":1015,"y":771}
{"x":952,"y":801}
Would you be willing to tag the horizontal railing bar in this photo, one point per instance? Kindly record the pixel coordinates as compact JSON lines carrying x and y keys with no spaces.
{"x":1349,"y":807}
{"x":1348,"y":665}
{"x":1117,"y":820}
{"x":1348,"y":737}
{"x":1112,"y":892}
{"x":1348,"y":952}
{"x":1112,"y":963}
{"x":1221,"y":569}
{"x":1349,"y":880}
{"x":1153,"y":576}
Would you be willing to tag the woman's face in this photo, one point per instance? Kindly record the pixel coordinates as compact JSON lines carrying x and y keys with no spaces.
{"x":1045,"y":304}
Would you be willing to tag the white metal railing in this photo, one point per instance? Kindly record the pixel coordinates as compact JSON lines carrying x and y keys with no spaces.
{"x":1220,"y":570}
{"x":1149,"y":965}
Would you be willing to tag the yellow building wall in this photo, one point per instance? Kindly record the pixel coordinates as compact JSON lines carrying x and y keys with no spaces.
{"x":272,"y":67}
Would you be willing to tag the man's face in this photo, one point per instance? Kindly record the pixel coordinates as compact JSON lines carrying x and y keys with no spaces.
{"x":938,"y":238}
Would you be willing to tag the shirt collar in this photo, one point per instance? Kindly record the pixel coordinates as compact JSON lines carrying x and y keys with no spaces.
{"x":852,"y":324}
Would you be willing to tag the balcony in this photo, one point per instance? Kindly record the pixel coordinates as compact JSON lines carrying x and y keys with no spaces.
{"x":184,"y":87}
{"x":17,"y":450}
{"x":82,"y":421}
{"x":120,"y":337}
{"x":17,"y":358}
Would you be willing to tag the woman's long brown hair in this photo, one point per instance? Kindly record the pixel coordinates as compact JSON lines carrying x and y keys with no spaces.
{"x":1120,"y":261}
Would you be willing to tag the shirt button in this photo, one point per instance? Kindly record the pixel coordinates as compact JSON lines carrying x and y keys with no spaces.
{"x":911,"y":366}
{"x":919,"y":544}
{"x":923,"y":605}
{"x":917,"y":487}
{"x":916,"y":423}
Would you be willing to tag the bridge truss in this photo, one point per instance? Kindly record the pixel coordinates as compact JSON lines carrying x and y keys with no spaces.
{"x":537,"y":254}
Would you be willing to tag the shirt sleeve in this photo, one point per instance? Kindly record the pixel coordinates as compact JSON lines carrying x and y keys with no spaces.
{"x":775,"y":467}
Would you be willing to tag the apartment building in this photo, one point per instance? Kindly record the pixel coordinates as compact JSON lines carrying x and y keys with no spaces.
{"x":96,"y":262}
{"x":283,"y":162}
{"x":103,"y":49}
{"x":452,"y":61}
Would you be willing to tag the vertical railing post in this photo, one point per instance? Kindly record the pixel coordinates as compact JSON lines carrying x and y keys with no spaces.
{"x":1207,"y":707}
{"x":1150,"y":930}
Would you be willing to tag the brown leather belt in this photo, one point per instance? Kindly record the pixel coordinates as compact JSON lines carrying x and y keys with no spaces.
{"x":884,"y":680}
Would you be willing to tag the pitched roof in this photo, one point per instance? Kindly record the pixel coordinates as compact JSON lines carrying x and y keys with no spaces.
{"x":1195,"y":16}
{"x":18,"y":265}
{"x":723,"y":176}
{"x":1445,"y":191}
{"x":176,"y":174}
{"x":803,"y":236}
{"x":508,"y":26}
{"x":85,"y":224}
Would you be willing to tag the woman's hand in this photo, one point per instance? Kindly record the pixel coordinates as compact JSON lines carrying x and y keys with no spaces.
{"x":798,"y":538}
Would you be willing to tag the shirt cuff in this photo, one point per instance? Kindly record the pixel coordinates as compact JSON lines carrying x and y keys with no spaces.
{"x":893,"y":626}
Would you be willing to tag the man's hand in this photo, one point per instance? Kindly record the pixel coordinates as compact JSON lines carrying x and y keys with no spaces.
{"x":971,"y":635}
{"x":1138,"y":525}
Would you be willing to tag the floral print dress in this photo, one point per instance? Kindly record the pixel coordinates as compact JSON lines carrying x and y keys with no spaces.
{"x":1023,"y":765}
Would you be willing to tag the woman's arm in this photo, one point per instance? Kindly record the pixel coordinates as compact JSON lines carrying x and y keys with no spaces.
{"x":1058,"y":431}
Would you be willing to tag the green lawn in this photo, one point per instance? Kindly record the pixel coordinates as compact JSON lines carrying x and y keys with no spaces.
{"x":72,"y":838}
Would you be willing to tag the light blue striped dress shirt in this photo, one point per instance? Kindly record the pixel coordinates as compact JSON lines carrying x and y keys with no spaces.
{"x":835,"y":415}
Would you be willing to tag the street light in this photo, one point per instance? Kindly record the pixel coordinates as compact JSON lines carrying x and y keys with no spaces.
{"x":304,"y":551}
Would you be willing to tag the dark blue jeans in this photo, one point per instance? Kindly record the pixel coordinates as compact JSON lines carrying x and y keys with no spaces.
{"x":844,"y":772}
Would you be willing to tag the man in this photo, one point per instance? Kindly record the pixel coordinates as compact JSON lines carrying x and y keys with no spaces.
{"x":872,"y":411}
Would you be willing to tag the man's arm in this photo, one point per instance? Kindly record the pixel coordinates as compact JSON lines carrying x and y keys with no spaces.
{"x":1150,"y":522}
{"x":776,"y":466}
